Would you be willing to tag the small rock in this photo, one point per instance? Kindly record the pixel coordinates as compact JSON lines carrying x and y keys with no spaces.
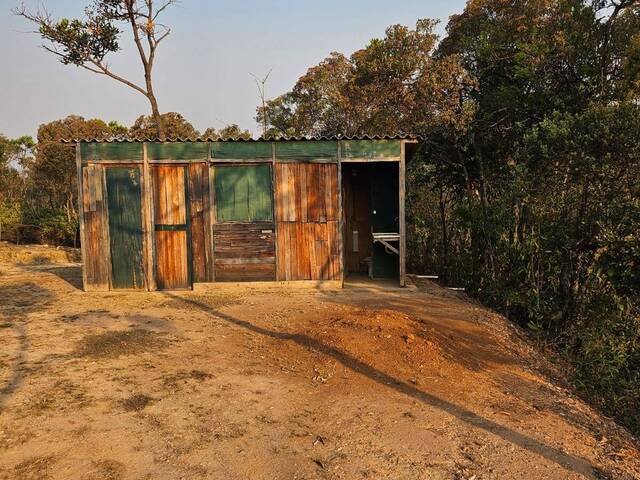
{"x":409,"y":338}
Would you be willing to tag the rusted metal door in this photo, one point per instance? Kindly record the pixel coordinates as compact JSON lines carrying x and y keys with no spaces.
{"x":172,"y":232}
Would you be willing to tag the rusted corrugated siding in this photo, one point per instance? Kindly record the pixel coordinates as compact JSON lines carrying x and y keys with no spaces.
{"x":307,"y":221}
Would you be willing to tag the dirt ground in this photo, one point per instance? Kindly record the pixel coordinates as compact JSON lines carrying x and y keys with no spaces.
{"x":246,"y":382}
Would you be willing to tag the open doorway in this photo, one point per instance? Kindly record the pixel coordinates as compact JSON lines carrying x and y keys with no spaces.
{"x":371,"y":218}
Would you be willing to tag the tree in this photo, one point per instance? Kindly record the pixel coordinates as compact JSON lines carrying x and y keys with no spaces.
{"x":535,"y":208}
{"x":88,"y":41}
{"x":175,"y":126}
{"x":117,"y":129}
{"x":51,"y":184}
{"x":317,"y":104}
{"x":261,"y":84}
{"x":14,"y":155}
{"x":394,"y":84}
{"x":234,"y":132}
{"x":230,"y":132}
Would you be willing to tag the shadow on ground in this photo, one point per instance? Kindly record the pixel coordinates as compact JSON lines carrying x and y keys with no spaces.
{"x":70,"y":273}
{"x":16,"y":302}
{"x":569,"y":462}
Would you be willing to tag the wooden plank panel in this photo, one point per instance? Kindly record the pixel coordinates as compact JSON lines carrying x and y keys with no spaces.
{"x":171,"y":271}
{"x":331,"y":191}
{"x":245,"y":251}
{"x":292,"y":171}
{"x":199,"y":212}
{"x":305,"y":188}
{"x":310,"y":201}
{"x":92,"y":184}
{"x":97,"y":251}
{"x":245,"y":272}
{"x":289,"y":250}
{"x":321,"y":206}
{"x":169,"y":198}
{"x":304,"y":267}
{"x":147,"y":219}
{"x":307,"y":235}
{"x":321,"y":252}
{"x":172,"y":237}
{"x":278,"y":193}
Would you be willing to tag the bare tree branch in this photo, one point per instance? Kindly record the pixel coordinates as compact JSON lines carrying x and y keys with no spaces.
{"x":260,"y":83}
{"x":85,"y":42}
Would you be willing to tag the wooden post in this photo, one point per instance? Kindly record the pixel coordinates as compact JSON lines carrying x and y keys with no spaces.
{"x":212,"y":211}
{"x":274,"y":205}
{"x":106,"y":234}
{"x":148,"y":221}
{"x":401,"y":219}
{"x":340,"y":219}
{"x":208,"y":237}
{"x":83,"y":240}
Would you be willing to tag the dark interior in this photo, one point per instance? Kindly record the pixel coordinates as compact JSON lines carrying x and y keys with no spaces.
{"x":370,"y":204}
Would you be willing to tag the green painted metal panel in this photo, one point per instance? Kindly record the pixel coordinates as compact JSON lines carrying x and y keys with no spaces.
{"x":125,"y":227}
{"x":241,"y":150}
{"x":370,"y":148}
{"x":111,"y":151}
{"x":177,"y":150}
{"x":307,"y":149}
{"x":243,"y":193}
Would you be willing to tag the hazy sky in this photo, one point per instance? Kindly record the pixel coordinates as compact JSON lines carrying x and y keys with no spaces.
{"x":202,"y":68}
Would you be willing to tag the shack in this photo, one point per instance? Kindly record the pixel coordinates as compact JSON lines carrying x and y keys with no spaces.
{"x":165,"y":215}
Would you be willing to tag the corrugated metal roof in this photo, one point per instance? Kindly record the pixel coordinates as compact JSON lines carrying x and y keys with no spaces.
{"x":124,"y":139}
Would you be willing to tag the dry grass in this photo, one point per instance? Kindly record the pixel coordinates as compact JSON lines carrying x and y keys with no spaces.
{"x":214,"y":302}
{"x":107,"y":470}
{"x":34,"y":468}
{"x":120,"y":342}
{"x":136,"y":402}
{"x":37,"y":254}
{"x":182,"y":376}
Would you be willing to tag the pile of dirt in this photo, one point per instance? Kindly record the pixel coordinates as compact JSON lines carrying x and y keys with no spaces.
{"x":37,"y":254}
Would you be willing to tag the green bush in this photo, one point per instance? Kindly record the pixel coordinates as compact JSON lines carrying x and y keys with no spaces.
{"x":53,"y":227}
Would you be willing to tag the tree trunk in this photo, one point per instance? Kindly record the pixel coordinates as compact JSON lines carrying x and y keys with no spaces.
{"x":484,"y":204}
{"x":155,"y":110}
{"x":445,"y":238}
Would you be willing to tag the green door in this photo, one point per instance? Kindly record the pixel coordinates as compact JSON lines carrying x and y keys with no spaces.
{"x":125,"y":227}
